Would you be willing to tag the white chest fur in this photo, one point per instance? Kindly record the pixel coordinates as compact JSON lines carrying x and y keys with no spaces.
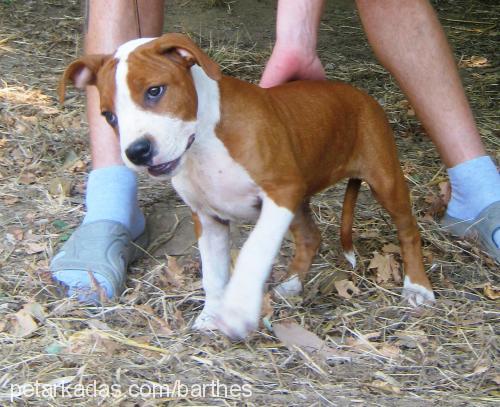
{"x":213,"y":183}
{"x":210,"y":181}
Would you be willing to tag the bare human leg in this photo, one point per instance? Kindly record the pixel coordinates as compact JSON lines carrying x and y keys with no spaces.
{"x":94,"y":260}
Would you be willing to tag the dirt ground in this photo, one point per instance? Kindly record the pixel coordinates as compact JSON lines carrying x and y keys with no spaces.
{"x":443,"y":355}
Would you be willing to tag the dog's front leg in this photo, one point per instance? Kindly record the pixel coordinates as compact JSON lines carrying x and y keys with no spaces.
{"x":240,"y":309}
{"x":213,"y":243}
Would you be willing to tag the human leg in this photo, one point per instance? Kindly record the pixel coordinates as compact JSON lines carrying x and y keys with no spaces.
{"x":409,"y":41}
{"x":113,"y":215}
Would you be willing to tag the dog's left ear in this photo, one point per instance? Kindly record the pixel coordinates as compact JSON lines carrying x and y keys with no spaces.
{"x":188,"y":52}
{"x":82,"y":73}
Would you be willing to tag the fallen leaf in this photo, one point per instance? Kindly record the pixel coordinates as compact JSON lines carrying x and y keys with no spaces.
{"x":172,"y":274}
{"x":445,"y":192}
{"x":293,"y":335}
{"x":362,"y":343}
{"x":60,"y":186}
{"x":161,"y":327}
{"x":386,"y":378}
{"x":36,"y":310}
{"x":491,"y":291}
{"x":404,"y":104}
{"x":90,"y":341}
{"x":411,"y":338}
{"x":474,"y":61}
{"x":346,"y":288}
{"x":437,"y":204}
{"x":22,"y":324}
{"x":99,"y":325}
{"x":387,"y":267}
{"x":27,"y":178}
{"x":32,"y":248}
{"x":391,"y":248}
{"x":17,"y":233}
{"x":179,"y":320}
{"x":384,"y":387}
{"x":389,"y":351}
{"x":479,"y":369}
{"x":10,"y":200}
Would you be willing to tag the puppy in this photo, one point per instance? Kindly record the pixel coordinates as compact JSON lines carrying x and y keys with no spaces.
{"x":236,"y":151}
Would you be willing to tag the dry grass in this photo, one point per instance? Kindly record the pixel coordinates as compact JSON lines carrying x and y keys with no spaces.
{"x":446,"y":355}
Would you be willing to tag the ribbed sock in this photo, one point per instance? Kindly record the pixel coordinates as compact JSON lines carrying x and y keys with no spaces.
{"x":475,"y":184}
{"x":112,"y":195}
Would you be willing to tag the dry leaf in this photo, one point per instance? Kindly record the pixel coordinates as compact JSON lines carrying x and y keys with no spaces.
{"x":60,"y":186}
{"x":362,"y":344}
{"x":445,"y":192}
{"x":389,"y":351}
{"x":492,"y":292}
{"x":36,"y":310}
{"x":16,"y":233}
{"x":346,"y":288}
{"x":173,"y":273}
{"x":479,"y":369}
{"x":90,"y":341}
{"x":474,"y":61}
{"x":22,"y":324}
{"x":10,"y":200}
{"x":293,"y":335}
{"x":385,"y":387}
{"x":391,"y":248}
{"x":267,"y":307}
{"x":32,"y":248}
{"x":99,"y":325}
{"x":386,"y":267}
{"x":411,"y":338}
{"x":27,"y":178}
{"x":437,"y":202}
{"x":386,"y":378}
{"x":162,"y":327}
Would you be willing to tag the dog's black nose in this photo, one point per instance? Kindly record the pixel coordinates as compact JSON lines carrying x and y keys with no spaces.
{"x":140,"y":152}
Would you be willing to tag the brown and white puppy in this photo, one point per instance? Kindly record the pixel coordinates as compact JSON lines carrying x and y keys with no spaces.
{"x":237,"y":151}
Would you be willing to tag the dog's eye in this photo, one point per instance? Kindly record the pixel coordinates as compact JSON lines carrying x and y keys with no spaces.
{"x":154,"y":93}
{"x":110,"y":118}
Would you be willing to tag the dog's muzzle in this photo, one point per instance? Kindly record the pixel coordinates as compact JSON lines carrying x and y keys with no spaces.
{"x":168,"y":167}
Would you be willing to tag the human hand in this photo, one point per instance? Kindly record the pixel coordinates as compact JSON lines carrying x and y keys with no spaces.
{"x":290,"y":63}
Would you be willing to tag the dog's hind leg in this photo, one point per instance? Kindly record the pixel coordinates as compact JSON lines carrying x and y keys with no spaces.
{"x":307,"y":239}
{"x":390,"y":189}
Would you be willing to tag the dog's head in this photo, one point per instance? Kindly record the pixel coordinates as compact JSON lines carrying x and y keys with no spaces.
{"x":148,"y":96}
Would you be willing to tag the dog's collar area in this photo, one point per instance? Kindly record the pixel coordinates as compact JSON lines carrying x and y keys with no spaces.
{"x":168,"y":167}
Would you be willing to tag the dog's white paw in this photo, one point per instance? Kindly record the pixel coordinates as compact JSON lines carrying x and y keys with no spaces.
{"x":417,"y":294}
{"x":290,"y":287}
{"x":205,"y":321}
{"x":236,"y":319}
{"x":351,"y":258}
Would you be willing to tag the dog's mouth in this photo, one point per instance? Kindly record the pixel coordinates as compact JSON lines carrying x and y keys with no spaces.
{"x":168,"y":167}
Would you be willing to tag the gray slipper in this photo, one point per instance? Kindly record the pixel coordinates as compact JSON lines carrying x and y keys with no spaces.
{"x":93,"y":263}
{"x":483,"y":227}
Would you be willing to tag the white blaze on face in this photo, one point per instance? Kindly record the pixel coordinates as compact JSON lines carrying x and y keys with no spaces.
{"x":169,"y":134}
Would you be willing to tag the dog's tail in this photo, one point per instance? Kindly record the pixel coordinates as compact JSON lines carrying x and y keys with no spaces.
{"x":351,"y":194}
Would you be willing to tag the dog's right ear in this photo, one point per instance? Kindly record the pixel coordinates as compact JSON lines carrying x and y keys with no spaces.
{"x":82,"y":73}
